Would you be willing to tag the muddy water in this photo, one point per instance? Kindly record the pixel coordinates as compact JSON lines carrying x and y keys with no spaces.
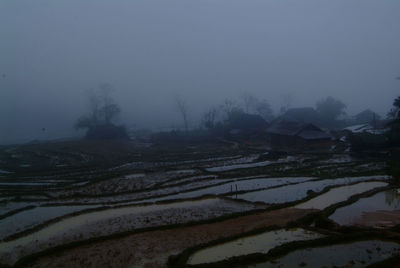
{"x":298,"y":191}
{"x":358,"y":254}
{"x":339,"y":194}
{"x":260,"y":243}
{"x":355,"y":213}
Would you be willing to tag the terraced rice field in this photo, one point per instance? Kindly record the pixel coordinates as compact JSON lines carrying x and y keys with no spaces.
{"x":208,"y":207}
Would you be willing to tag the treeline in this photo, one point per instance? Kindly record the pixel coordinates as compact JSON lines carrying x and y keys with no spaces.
{"x":100,"y":121}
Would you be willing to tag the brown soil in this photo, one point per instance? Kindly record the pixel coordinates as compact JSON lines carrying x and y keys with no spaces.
{"x":152,"y":249}
{"x":379,"y":219}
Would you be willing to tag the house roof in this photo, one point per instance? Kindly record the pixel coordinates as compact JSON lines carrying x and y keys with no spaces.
{"x":365,"y":128}
{"x":248,"y":122}
{"x":314,"y":135}
{"x":302,"y":130}
{"x":289,"y":128}
{"x":367,"y":116}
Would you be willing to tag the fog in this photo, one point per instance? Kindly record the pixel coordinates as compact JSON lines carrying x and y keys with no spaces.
{"x":203,"y":51}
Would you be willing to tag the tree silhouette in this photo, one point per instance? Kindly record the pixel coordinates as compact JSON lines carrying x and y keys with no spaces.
{"x":103,"y":110}
{"x":330,"y":108}
{"x":183,"y":110}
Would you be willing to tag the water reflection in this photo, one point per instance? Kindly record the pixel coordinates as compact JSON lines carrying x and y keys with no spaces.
{"x":339,"y":194}
{"x":260,"y":243}
{"x":392,"y":197}
{"x":381,"y":209}
{"x":358,"y":254}
{"x":295,"y":192}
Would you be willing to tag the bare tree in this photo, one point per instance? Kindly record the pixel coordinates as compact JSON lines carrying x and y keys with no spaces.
{"x":253,"y":105}
{"x":103,"y":109}
{"x":94,"y":105}
{"x":249,"y":102}
{"x":394,"y":113}
{"x":109,"y":109}
{"x":109,"y":112}
{"x":228,"y":107}
{"x":183,"y":110}
{"x":209,"y":118}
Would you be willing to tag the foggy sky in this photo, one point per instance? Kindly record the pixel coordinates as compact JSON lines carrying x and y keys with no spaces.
{"x":201,"y":50}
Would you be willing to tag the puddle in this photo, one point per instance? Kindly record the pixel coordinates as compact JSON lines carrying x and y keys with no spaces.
{"x":260,"y":243}
{"x":299,"y":191}
{"x":234,"y":186}
{"x":339,"y":194}
{"x":384,"y":205}
{"x":357,"y":254}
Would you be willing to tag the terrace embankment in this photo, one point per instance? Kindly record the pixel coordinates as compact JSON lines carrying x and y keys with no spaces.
{"x":152,"y":248}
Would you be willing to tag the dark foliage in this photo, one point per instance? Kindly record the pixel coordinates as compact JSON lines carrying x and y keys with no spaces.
{"x":330,"y":108}
{"x":367,"y":116}
{"x":366,"y":141}
{"x":106,"y":132}
{"x":394,"y":124}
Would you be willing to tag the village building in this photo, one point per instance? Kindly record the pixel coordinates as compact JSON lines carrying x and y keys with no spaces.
{"x":292,"y":133}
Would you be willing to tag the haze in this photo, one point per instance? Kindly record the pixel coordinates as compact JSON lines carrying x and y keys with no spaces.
{"x":203,"y":51}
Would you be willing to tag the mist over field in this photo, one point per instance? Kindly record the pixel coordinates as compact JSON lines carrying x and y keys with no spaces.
{"x":204,"y":133}
{"x":290,"y":53}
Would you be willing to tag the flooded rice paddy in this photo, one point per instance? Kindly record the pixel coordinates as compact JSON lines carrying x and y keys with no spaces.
{"x":9,"y":206}
{"x":238,"y":185}
{"x":340,"y":194}
{"x":299,"y":191}
{"x":115,"y":220}
{"x":357,"y":254}
{"x":32,"y":217}
{"x":251,"y":165}
{"x":381,"y":209}
{"x":191,"y":179}
{"x":40,"y":210}
{"x":260,"y":243}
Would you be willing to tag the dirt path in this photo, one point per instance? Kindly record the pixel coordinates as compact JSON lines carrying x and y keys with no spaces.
{"x":152,"y":249}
